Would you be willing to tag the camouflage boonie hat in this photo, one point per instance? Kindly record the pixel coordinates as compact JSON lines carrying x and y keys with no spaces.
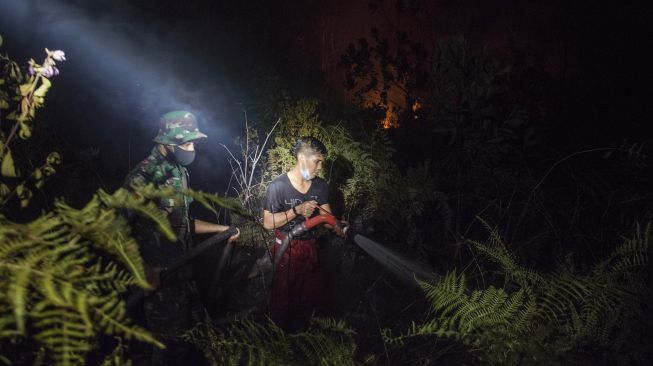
{"x":178,"y":127}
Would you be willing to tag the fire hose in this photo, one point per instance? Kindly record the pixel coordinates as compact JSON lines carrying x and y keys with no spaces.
{"x":396,"y":263}
{"x":136,"y":297}
{"x":300,"y":229}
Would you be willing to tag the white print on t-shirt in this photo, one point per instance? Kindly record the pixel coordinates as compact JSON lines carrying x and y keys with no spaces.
{"x":292,"y":202}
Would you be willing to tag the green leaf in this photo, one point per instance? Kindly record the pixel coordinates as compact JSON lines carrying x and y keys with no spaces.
{"x":8,"y":167}
{"x":25,"y":89}
{"x":54,"y":158}
{"x":25,"y":131}
{"x":48,"y":170}
{"x":4,"y":190}
{"x":24,"y":194}
{"x":17,"y":294}
{"x":43,"y":88}
{"x":38,"y":178}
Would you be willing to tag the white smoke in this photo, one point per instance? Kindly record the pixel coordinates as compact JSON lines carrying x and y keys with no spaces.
{"x":130,"y":68}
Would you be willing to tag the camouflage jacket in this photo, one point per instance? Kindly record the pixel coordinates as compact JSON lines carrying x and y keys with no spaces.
{"x":156,"y":250}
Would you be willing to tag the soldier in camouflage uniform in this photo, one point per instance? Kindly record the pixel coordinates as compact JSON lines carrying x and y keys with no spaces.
{"x":167,"y":311}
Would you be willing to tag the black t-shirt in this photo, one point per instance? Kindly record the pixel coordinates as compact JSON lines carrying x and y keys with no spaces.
{"x":282,"y":196}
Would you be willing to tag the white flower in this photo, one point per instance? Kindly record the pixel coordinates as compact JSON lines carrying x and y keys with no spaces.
{"x":57,"y":55}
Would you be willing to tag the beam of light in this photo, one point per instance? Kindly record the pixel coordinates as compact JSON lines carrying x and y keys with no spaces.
{"x":128,"y":68}
{"x":124,"y":70}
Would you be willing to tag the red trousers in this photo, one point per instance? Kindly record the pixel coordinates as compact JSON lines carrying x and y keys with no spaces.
{"x":298,"y":287}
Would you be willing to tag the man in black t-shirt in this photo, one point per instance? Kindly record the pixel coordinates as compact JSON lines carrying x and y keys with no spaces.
{"x":291,"y":198}
{"x":282,"y":196}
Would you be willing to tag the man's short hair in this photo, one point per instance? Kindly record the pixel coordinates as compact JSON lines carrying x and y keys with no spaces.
{"x":309,"y":145}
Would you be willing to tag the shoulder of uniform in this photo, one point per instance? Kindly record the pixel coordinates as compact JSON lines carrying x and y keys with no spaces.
{"x":145,"y":172}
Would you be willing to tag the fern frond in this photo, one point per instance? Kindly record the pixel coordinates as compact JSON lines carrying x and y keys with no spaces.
{"x":98,"y":223}
{"x":632,"y":254}
{"x":110,"y":316}
{"x":64,"y":333}
{"x":432,"y":328}
{"x":464,"y":313}
{"x":8,"y":326}
{"x":551,"y":314}
{"x":138,"y":201}
{"x":449,"y":292}
{"x":522,"y":322}
{"x":209,"y":200}
{"x":101,"y":277}
{"x":251,"y":342}
{"x":117,"y":357}
{"x":65,"y":272}
{"x":326,"y":342}
{"x":497,"y":251}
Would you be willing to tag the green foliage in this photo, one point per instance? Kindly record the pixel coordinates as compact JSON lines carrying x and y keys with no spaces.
{"x":207,"y":200}
{"x":117,"y":356}
{"x":365,"y":183}
{"x":546,"y":318}
{"x":363,"y":171}
{"x":490,"y":320}
{"x":470,"y":100}
{"x":372,"y":171}
{"x":64,"y":273}
{"x":299,"y":118}
{"x":495,"y":249}
{"x":23,"y":93}
{"x":631,"y":256}
{"x":358,"y":169}
{"x":415,"y":204}
{"x":326,"y":342}
{"x":462,"y":92}
{"x":389,"y":71}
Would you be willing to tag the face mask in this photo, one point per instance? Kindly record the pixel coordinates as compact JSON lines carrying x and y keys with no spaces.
{"x":305,"y":173}
{"x":183,"y":157}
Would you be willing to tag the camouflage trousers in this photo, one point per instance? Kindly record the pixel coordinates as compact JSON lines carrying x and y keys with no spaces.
{"x":168,"y":316}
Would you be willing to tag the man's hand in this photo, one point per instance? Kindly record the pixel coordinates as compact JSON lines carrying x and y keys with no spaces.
{"x":340,"y":228}
{"x":234,"y":237}
{"x":306,"y":209}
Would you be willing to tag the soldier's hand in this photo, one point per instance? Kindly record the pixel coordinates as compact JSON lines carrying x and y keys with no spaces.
{"x":234,"y":237}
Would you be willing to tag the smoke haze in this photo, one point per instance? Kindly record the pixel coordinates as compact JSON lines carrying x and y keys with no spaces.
{"x":123,"y":71}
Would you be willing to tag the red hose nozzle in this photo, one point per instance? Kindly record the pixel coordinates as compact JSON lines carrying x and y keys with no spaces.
{"x":320,"y":219}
